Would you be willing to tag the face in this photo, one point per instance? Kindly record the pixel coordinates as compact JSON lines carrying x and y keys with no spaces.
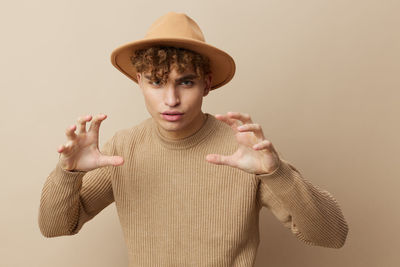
{"x":182,"y":95}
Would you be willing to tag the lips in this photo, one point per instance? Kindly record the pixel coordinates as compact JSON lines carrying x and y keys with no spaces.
{"x":172,"y":116}
{"x":172,"y":113}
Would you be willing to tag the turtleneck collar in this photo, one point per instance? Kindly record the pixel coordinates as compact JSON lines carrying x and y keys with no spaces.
{"x":206,"y":129}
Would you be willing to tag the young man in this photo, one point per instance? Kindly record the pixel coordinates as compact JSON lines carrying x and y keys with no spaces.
{"x":188,"y":186}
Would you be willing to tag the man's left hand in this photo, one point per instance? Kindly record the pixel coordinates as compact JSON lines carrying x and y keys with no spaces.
{"x":255,"y":153}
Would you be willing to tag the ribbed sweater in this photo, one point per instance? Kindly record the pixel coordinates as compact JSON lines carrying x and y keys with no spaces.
{"x":177,"y":209}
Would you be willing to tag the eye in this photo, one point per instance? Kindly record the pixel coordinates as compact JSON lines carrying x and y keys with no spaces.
{"x":187,"y":82}
{"x":155,"y":83}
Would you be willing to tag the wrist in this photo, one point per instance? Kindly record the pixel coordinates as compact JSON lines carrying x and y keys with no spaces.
{"x":272,"y":169}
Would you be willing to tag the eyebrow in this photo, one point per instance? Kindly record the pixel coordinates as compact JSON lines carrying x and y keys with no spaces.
{"x":186,"y":77}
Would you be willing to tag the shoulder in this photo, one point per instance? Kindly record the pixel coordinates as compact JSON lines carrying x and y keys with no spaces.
{"x":222,"y":135}
{"x":137,"y":129}
{"x":134,"y":134}
{"x":221,"y":128}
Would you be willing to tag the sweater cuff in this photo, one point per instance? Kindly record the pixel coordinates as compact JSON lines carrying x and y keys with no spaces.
{"x":67,"y":178}
{"x":281,"y":181}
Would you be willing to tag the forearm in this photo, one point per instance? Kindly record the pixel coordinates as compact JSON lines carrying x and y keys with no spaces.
{"x":315,"y":215}
{"x":59,"y":212}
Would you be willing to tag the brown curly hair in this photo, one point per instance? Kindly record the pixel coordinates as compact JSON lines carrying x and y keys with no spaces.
{"x":160,"y":59}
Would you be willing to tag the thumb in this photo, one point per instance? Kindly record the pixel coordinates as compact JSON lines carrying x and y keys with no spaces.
{"x":110,"y":160}
{"x":219,"y":159}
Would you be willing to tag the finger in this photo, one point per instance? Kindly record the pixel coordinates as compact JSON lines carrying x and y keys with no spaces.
{"x":220,"y":160}
{"x":95,"y":125}
{"x":70,"y":132}
{"x":64,"y":149}
{"x":225,"y":119}
{"x":82,"y":123}
{"x":243,"y":117}
{"x":265,"y":144}
{"x":110,"y":160}
{"x":60,"y":149}
{"x":253,"y":127}
{"x":231,"y":122}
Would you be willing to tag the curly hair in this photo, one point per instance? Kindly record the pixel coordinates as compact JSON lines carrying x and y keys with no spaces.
{"x":160,"y":59}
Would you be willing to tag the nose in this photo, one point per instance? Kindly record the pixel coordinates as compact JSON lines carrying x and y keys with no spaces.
{"x":171,"y":96}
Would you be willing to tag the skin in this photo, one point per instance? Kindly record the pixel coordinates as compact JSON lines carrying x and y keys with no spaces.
{"x":81,"y":152}
{"x":178,"y":94}
{"x":255,"y":154}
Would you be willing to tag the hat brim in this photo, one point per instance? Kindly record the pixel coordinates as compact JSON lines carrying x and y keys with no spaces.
{"x":222,"y":64}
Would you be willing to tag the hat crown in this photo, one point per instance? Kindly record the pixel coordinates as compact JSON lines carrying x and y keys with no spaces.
{"x":175,"y":25}
{"x":176,"y":30}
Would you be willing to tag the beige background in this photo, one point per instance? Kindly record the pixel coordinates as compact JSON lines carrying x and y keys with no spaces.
{"x":322,"y":77}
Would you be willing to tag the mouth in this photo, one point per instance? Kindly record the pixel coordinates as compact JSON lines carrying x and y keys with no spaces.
{"x":172,"y":116}
{"x":172,"y":113}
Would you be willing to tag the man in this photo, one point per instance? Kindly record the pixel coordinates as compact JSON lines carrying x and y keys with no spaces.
{"x":188,"y":186}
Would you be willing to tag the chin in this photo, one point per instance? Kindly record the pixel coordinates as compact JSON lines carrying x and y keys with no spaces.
{"x":171,"y":126}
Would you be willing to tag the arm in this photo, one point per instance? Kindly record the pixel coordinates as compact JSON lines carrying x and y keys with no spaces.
{"x":80,"y":185}
{"x":312,"y":214}
{"x":71,"y":198}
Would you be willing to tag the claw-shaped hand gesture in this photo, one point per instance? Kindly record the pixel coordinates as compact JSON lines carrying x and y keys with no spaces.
{"x":255,"y":153}
{"x":81,"y":153}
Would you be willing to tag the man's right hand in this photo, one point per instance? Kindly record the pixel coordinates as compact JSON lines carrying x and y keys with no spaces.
{"x":81,"y":152}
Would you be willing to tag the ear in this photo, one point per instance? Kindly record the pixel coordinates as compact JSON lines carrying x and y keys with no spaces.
{"x":207,"y":81}
{"x":138,"y":77}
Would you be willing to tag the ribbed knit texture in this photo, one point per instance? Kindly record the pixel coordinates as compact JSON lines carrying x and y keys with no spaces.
{"x":177,"y":209}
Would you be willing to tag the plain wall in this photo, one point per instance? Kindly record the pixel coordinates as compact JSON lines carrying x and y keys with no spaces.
{"x":321,"y":77}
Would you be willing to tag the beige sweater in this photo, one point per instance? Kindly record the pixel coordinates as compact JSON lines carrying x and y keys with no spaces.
{"x":177,"y":209}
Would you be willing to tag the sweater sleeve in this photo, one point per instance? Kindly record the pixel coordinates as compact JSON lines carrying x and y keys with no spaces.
{"x":70,"y":199}
{"x":313,"y":215}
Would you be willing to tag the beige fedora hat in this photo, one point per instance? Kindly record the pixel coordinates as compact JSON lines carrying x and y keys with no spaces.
{"x":178,"y":30}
